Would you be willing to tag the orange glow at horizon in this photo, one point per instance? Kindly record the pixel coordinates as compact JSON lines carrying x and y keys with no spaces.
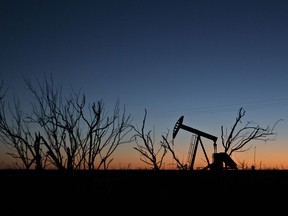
{"x":270,"y":155}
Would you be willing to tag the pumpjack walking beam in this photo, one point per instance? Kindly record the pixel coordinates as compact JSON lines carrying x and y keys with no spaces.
{"x":179,"y":124}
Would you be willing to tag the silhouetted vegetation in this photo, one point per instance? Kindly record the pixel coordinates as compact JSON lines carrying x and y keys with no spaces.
{"x":62,"y":132}
{"x":150,"y":153}
{"x":237,"y":139}
{"x":65,"y":132}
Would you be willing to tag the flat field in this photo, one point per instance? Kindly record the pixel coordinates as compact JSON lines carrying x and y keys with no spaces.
{"x":144,"y":191}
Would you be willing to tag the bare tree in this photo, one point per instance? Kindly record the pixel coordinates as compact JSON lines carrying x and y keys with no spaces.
{"x":149,"y":153}
{"x":105,"y":134}
{"x":16,"y":134}
{"x":237,"y":139}
{"x":64,"y":132}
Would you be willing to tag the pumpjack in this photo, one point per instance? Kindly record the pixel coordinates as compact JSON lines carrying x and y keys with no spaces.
{"x":220,"y":161}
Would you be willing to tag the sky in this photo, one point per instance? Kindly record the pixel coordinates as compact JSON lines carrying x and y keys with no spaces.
{"x":199,"y":59}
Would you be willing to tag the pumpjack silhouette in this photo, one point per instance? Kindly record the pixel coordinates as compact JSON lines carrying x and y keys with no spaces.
{"x":220,"y":161}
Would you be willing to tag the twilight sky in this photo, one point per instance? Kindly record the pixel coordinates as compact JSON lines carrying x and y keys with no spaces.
{"x":201,"y":59}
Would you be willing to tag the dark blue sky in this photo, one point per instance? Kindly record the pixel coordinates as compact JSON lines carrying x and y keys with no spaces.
{"x":201,"y":59}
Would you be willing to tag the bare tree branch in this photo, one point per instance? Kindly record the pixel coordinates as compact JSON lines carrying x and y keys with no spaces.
{"x":237,"y":139}
{"x":148,"y":152}
{"x":166,"y":145}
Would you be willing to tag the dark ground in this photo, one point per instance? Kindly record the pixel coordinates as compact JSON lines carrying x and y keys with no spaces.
{"x":144,"y":192}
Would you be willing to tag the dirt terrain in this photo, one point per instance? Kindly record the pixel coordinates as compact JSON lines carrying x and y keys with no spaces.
{"x":143,"y":191}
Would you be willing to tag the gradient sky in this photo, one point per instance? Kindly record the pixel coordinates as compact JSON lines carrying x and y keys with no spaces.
{"x":201,"y":59}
